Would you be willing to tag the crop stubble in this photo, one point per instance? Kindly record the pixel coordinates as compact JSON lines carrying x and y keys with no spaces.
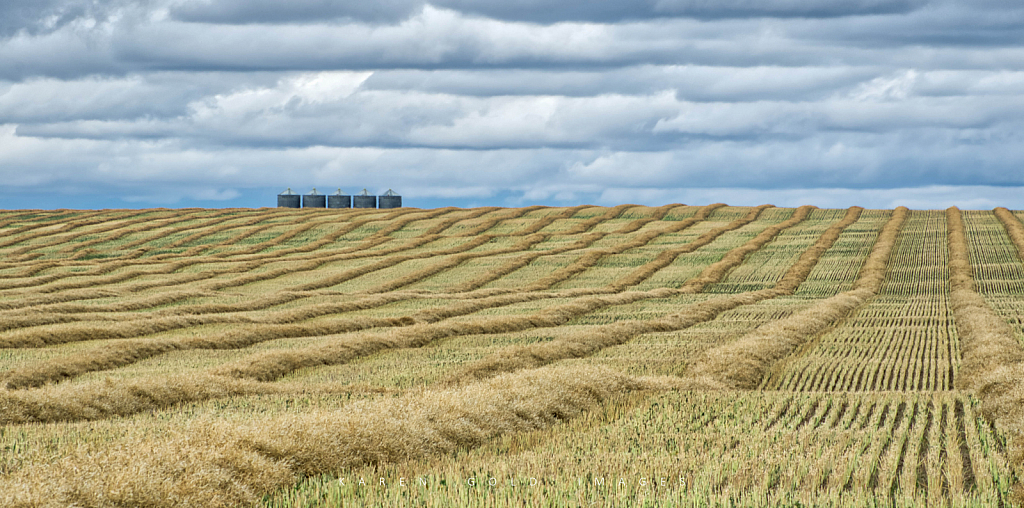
{"x":683,"y":347}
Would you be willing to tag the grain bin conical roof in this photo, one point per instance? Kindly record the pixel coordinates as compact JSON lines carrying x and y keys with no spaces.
{"x":390,"y":193}
{"x":364,"y":193}
{"x":288,"y":193}
{"x":339,"y":193}
{"x":314,"y":192}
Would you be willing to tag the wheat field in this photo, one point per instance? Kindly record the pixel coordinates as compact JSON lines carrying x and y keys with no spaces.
{"x":587,"y":356}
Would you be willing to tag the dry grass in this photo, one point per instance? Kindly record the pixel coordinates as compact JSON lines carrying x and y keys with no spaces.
{"x":22,"y":234}
{"x":719,"y":269}
{"x":993,"y":359}
{"x":744,"y":363}
{"x":143,"y":390}
{"x":667,"y":256}
{"x":588,"y":342}
{"x":220,"y":465}
{"x":525,"y":259}
{"x":247,"y":263}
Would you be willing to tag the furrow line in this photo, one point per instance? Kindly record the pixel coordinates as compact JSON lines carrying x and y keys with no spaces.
{"x":187,"y":468}
{"x":743,"y":364}
{"x":992,"y":365}
{"x":528,"y":258}
{"x":456,"y":260}
{"x":15,"y":237}
{"x":256,"y":262}
{"x":578,"y":345}
{"x":117,"y":224}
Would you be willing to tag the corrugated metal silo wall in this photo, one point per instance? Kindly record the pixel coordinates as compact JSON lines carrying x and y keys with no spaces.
{"x":288,"y":201}
{"x":339,"y":201}
{"x":364,"y":201}
{"x":390,"y":201}
{"x":314,"y":201}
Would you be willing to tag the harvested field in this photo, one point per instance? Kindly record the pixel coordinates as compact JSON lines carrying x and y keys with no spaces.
{"x":680,"y":355}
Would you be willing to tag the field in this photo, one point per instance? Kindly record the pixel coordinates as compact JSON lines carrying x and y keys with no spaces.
{"x":587,"y":356}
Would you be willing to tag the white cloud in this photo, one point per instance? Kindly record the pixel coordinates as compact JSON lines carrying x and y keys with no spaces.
{"x":168,"y":100}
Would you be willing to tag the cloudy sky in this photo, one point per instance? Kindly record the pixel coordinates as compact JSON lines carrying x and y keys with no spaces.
{"x":217,"y":103}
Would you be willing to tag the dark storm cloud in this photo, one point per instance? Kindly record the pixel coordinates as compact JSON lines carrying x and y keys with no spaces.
{"x":517,"y":102}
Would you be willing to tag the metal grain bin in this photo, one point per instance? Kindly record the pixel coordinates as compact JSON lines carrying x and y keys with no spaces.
{"x":314,"y":200}
{"x":390,"y":199}
{"x":364,"y":200}
{"x":339,"y":200}
{"x":289,"y":199}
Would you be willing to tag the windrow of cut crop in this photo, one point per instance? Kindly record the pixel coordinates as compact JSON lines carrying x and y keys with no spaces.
{"x":21,"y":216}
{"x":477,"y":233}
{"x":641,"y":274}
{"x":112,"y":263}
{"x":88,"y":281}
{"x":301,"y":223}
{"x":454,"y":261}
{"x":106,"y":266}
{"x":992,"y":365}
{"x":515,"y":213}
{"x":314,"y":261}
{"x":743,"y":364}
{"x":527,"y":258}
{"x":32,"y":219}
{"x":1014,"y":229}
{"x":98,"y":401}
{"x":39,"y":283}
{"x":271,"y":365}
{"x":417,"y":330}
{"x":719,"y":269}
{"x":356,"y":219}
{"x":178,"y":279}
{"x":206,"y":221}
{"x":592,"y":257}
{"x":30,"y":260}
{"x":83,"y":253}
{"x":424,"y":326}
{"x":667,"y":256}
{"x":232,"y":225}
{"x":228,"y":245}
{"x":130,"y":352}
{"x":33,"y":269}
{"x":292,"y":233}
{"x":117,"y":224}
{"x":359,"y":251}
{"x":70,"y":294}
{"x":22,"y":234}
{"x":384,"y":262}
{"x":578,"y":344}
{"x":72,"y":310}
{"x":279,"y":363}
{"x":40,"y":334}
{"x":129,"y":227}
{"x":420,"y":329}
{"x":159,"y":300}
{"x":79,"y":253}
{"x":212,"y":464}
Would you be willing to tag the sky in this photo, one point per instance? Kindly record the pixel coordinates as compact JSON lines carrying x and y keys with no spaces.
{"x":225,"y":103}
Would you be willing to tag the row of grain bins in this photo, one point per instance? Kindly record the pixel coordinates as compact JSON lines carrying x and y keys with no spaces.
{"x":314,"y":199}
